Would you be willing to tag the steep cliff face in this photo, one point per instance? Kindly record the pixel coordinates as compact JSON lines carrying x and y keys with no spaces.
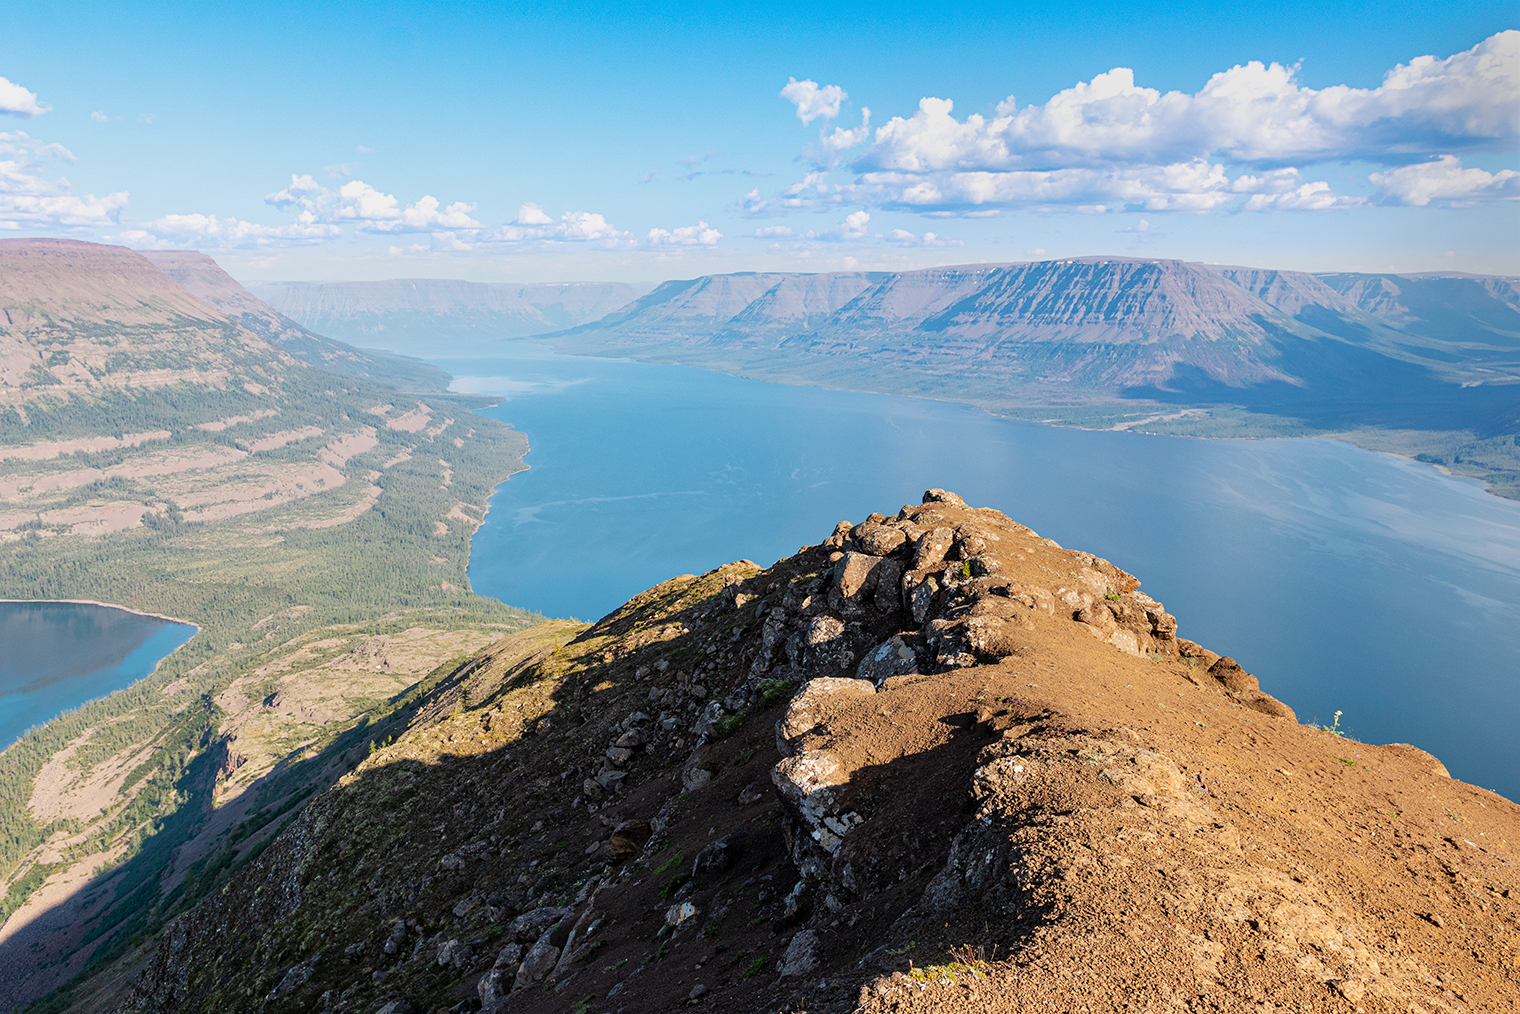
{"x":1087,"y":327}
{"x":935,"y":762}
{"x":204,"y":279}
{"x":83,"y":319}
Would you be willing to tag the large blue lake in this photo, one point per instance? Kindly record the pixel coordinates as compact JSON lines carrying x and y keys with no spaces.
{"x":1346,"y":580}
{"x":57,"y":655}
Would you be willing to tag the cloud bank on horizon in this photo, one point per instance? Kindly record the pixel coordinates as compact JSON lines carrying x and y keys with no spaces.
{"x":1254,"y":139}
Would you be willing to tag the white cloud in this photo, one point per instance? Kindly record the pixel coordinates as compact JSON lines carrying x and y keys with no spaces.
{"x":831,"y":147}
{"x":17,"y":101}
{"x":532,"y":214}
{"x":1240,"y":142}
{"x":902,"y":237}
{"x":303,"y":191}
{"x":227,"y":233}
{"x":1253,"y":114}
{"x":775,"y":232}
{"x":1284,"y":190}
{"x":853,"y":226}
{"x":1445,"y":180}
{"x":99,"y":116}
{"x":31,"y":200}
{"x":1188,"y":187}
{"x":700,"y":234}
{"x":583,"y":225}
{"x":813,"y":102}
{"x":534,"y":224}
{"x":369,"y":209}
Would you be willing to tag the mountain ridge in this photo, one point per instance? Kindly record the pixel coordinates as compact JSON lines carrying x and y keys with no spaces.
{"x":934,"y":762}
{"x":204,"y":279}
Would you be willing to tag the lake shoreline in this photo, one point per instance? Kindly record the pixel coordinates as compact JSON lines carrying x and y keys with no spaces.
{"x":112,"y":605}
{"x":761,"y":375}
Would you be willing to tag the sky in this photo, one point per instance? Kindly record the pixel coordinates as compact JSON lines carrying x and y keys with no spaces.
{"x":559,"y":141}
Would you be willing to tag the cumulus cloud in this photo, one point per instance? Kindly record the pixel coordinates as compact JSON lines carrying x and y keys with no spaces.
{"x":813,"y":102}
{"x":533,"y":223}
{"x":831,"y":147}
{"x":303,"y":191}
{"x":29,"y":199}
{"x":227,"y":233}
{"x":17,"y":101}
{"x":1444,"y":180}
{"x":902,"y":237}
{"x":532,"y":214}
{"x":700,"y":234}
{"x":1241,"y":142}
{"x":1196,"y":186}
{"x":369,"y":209}
{"x":99,"y":116}
{"x":1252,"y":115}
{"x":853,"y":226}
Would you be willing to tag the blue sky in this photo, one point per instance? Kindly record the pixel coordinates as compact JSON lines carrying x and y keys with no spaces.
{"x":558,"y":141}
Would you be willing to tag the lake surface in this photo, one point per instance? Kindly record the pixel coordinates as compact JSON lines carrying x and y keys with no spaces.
{"x":1345,"y":580}
{"x":57,"y":655}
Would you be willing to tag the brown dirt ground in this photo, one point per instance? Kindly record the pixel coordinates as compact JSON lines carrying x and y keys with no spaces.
{"x":1166,"y":849}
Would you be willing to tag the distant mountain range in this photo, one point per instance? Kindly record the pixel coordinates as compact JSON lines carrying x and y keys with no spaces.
{"x":389,"y":313}
{"x":204,"y":279}
{"x":1081,"y":326}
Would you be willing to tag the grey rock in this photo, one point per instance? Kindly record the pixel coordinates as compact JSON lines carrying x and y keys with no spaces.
{"x":619,"y":755}
{"x":538,"y":962}
{"x":509,"y":957}
{"x":854,"y":581}
{"x":455,"y":954}
{"x":922,"y":601}
{"x":801,"y":956}
{"x":295,"y":978}
{"x":932,"y":547}
{"x":697,"y":992}
{"x":632,"y":739}
{"x":943,"y":496}
{"x":711,"y":714}
{"x":716,"y":857}
{"x":892,"y":657}
{"x":397,"y":1007}
{"x":531,"y":925}
{"x":493,"y":987}
{"x":879,"y":540}
{"x":887,"y":597}
{"x":825,"y":644}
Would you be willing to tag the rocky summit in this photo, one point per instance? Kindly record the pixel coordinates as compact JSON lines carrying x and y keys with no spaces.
{"x":934,"y":763}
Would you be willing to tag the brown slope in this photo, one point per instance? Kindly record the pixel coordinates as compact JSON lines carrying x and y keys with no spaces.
{"x":1041,"y":800}
{"x":204,"y":278}
{"x":83,"y":318}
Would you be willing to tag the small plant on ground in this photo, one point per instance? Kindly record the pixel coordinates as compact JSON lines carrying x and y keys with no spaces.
{"x":772,"y":692}
{"x":1334,"y":728}
{"x":755,"y":967}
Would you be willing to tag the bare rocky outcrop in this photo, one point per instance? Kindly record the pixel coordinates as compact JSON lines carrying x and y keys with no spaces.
{"x":934,"y":763}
